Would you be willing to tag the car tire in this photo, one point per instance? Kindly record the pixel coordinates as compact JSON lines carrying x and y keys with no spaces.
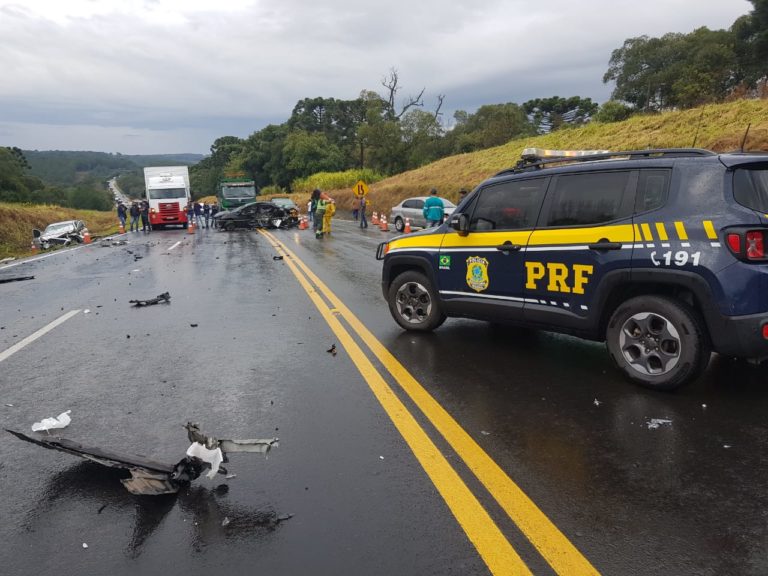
{"x":658,"y":342}
{"x":399,"y":224}
{"x":229,"y":226}
{"x":413,"y":302}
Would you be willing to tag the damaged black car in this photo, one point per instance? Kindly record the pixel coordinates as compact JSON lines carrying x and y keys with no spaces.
{"x":257,"y":215}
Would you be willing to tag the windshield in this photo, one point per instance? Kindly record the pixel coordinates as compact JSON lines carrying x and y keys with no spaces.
{"x":283,"y":202}
{"x":238,"y":191}
{"x":58,"y":227}
{"x":750,"y":187}
{"x":167,"y":193}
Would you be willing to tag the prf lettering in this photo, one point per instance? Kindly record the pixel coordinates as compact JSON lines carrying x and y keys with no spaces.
{"x":560,"y":278}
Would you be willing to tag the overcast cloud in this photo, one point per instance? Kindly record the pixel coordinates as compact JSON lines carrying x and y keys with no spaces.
{"x":163,"y":76}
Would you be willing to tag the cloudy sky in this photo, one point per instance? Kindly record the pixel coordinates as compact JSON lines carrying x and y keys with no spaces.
{"x":166,"y":76}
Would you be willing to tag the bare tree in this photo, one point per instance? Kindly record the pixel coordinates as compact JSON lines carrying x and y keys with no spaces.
{"x":437,"y":113}
{"x":390,"y":82}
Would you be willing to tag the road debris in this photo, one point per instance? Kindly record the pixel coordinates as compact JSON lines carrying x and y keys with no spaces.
{"x":60,"y":421}
{"x":596,"y":402}
{"x":654,"y":423}
{"x":226,"y":521}
{"x":277,"y":257}
{"x":149,"y":477}
{"x":193,"y":325}
{"x":165,"y":297}
{"x":16,"y":279}
{"x":332,"y":349}
{"x":85,"y":545}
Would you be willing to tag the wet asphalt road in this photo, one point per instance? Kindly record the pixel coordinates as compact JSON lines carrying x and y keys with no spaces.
{"x":687,"y":497}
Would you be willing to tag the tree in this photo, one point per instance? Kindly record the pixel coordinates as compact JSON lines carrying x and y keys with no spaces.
{"x":613,"y":111}
{"x":751,"y":44}
{"x":306,"y":153}
{"x":491,"y":125}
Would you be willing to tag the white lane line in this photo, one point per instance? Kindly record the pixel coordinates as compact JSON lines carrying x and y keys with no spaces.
{"x":174,"y":246}
{"x":32,"y":337}
{"x":42,"y":257}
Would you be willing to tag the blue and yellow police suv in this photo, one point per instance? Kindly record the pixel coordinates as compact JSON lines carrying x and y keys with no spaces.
{"x":660,"y":253}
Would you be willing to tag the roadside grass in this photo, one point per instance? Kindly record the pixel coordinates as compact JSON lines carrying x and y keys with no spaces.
{"x":18,"y":220}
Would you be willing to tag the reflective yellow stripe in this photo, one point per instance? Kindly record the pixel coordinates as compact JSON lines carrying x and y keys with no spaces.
{"x":681,"y":233}
{"x":662,"y":231}
{"x":453,"y":240}
{"x":647,"y":235}
{"x":565,"y":236}
{"x":710,"y":230}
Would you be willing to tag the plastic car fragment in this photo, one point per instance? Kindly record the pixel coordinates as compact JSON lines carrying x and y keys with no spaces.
{"x":149,"y":477}
{"x":60,"y":421}
{"x":164,"y":297}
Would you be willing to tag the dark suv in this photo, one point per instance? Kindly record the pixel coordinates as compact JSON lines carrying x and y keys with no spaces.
{"x":659,"y":253}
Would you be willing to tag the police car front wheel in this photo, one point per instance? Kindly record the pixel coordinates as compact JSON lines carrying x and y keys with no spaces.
{"x":658,"y":342}
{"x":413,"y":304}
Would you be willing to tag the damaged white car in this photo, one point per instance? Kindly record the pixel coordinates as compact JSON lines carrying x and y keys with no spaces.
{"x":59,"y":234}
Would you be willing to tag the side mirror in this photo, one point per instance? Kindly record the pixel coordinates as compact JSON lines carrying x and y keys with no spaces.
{"x":460,"y":223}
{"x":36,"y":233}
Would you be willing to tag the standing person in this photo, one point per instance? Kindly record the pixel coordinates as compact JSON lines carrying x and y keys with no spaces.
{"x":134,"y":212}
{"x":206,"y":213}
{"x":433,"y":209}
{"x":363,"y":205}
{"x":144,"y":209}
{"x":214,"y":211}
{"x":330,"y":210}
{"x":122,"y":213}
{"x":190,"y":213}
{"x":312,"y":207}
{"x":355,"y":208}
{"x":198,"y":209}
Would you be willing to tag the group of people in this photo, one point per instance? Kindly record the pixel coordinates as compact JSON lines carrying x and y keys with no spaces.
{"x":138,"y":210}
{"x":321,"y":209}
{"x":202,"y":213}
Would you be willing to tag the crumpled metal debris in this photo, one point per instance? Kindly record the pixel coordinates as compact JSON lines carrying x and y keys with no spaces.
{"x":164,"y":297}
{"x":60,"y":421}
{"x":149,"y":477}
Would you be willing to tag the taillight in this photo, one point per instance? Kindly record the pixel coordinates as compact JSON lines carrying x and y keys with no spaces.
{"x":755,"y":246}
{"x":734,"y":243}
{"x":765,"y":331}
{"x":747,"y":244}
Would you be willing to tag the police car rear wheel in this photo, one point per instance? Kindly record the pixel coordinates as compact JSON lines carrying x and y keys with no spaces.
{"x":658,"y":342}
{"x":413,"y":304}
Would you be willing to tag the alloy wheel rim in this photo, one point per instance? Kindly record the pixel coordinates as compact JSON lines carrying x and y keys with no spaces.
{"x":413,"y":302}
{"x":650,"y":343}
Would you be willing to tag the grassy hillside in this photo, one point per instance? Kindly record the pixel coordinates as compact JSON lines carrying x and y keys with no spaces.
{"x":720,"y":128}
{"x":18,"y":220}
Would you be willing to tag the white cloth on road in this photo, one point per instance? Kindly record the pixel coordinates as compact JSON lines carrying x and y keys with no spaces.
{"x":60,"y":421}
{"x":213,"y":457}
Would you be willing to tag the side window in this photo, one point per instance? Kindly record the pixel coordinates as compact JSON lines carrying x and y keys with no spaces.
{"x":589,"y":198}
{"x":418,"y":204}
{"x":508,"y":206}
{"x":652,"y":187}
{"x":409,"y":204}
{"x":750,"y":187}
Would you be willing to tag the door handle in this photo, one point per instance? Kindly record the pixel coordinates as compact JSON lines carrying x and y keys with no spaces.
{"x":605,"y":245}
{"x":508,"y":247}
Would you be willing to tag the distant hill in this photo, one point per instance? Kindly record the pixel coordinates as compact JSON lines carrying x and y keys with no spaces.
{"x":65,"y":168}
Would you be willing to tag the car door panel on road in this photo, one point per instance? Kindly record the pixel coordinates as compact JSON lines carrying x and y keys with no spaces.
{"x":485,"y":266}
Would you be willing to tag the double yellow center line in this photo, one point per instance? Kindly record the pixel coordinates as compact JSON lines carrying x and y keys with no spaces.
{"x":493,"y":547}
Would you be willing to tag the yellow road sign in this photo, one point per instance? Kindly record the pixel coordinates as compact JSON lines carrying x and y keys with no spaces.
{"x":360,"y":189}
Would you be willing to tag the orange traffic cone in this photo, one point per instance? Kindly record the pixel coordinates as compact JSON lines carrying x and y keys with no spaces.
{"x":407,"y":228}
{"x":383,"y":224}
{"x":122,"y":228}
{"x":375,"y":219}
{"x":303,"y":224}
{"x":33,"y":247}
{"x":191,"y":227}
{"x":86,"y":236}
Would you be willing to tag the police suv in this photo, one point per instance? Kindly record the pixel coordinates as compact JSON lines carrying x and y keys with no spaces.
{"x":660,"y":253}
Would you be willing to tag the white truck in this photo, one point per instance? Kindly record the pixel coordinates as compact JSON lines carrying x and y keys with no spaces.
{"x":168,"y":194}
